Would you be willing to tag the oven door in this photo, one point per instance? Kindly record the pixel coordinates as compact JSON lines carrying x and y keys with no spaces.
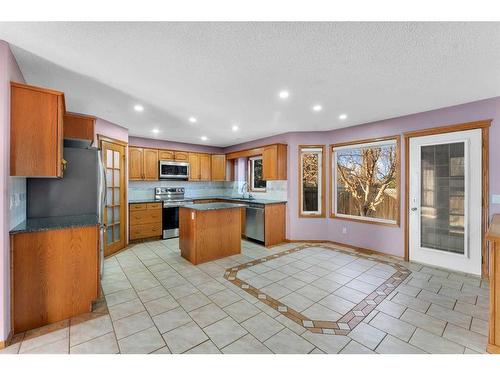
{"x":174,"y":170}
{"x":170,"y":222}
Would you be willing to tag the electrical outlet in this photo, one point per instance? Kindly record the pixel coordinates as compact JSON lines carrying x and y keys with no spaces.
{"x":344,"y":230}
{"x":495,"y":198}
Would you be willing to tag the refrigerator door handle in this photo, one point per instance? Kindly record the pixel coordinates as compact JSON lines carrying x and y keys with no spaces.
{"x":102,"y":206}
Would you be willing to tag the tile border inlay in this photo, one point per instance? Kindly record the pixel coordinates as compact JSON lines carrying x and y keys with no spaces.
{"x":349,"y":320}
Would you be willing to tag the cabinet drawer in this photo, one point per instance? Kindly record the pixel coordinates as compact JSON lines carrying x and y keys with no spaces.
{"x":154,"y":206}
{"x":166,"y":155}
{"x":145,"y":217}
{"x":181,"y":156}
{"x":138,"y":206}
{"x":145,"y":231}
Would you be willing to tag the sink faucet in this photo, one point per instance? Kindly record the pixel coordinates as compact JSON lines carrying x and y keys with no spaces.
{"x":244,"y":189}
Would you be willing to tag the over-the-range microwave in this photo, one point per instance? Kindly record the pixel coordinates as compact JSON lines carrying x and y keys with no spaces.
{"x":174,"y":170}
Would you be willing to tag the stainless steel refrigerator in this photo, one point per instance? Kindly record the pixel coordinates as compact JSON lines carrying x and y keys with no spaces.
{"x":81,"y":190}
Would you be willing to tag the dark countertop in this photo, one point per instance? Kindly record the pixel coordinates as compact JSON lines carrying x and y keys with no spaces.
{"x":213,"y":206}
{"x":235,"y":199}
{"x":53,"y":223}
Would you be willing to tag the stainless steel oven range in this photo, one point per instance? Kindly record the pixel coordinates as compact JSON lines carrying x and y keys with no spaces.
{"x":173,"y":198}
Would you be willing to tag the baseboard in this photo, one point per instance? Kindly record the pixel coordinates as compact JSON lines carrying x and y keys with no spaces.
{"x":5,"y":343}
{"x":356,"y":248}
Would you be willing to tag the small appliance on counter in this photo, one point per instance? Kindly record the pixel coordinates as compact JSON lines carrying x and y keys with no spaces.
{"x":173,"y":198}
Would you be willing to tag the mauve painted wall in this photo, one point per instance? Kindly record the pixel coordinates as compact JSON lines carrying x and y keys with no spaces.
{"x":168,"y":145}
{"x":110,"y":130}
{"x":9,"y":71}
{"x":386,"y":239}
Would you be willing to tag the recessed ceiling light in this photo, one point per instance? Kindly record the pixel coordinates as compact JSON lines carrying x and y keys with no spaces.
{"x":343,"y":116}
{"x":204,"y":138}
{"x":235,"y":128}
{"x":193,"y":120}
{"x":284,"y":94}
{"x":317,"y":108}
{"x":138,"y":108}
{"x":156,"y":130}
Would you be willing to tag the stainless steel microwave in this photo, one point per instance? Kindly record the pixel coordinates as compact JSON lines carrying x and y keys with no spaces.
{"x":174,"y":170}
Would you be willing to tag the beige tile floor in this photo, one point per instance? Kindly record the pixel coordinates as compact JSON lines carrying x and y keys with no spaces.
{"x":160,"y":303}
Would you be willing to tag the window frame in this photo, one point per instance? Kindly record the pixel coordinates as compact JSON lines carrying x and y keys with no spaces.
{"x":322,"y":185}
{"x":333,"y":180}
{"x":251,"y":161}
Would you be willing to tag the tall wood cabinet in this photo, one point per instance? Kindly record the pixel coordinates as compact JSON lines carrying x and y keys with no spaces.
{"x":143,"y":163}
{"x":218,"y":167}
{"x":493,"y":236}
{"x":36,"y":132}
{"x":200,"y":167}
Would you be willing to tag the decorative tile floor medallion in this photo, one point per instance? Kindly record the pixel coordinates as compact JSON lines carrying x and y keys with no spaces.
{"x":350,"y":319}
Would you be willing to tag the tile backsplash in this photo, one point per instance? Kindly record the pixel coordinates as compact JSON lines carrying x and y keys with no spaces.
{"x":276,"y":190}
{"x":17,"y":201}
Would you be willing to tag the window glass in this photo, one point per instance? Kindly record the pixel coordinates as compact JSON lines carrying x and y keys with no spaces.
{"x":257,"y":183}
{"x":311,"y":170}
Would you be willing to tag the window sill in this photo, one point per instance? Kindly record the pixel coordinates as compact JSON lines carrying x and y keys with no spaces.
{"x":364,"y":221}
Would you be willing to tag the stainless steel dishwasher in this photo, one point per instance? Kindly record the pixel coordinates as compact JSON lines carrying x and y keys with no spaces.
{"x":254,"y":227}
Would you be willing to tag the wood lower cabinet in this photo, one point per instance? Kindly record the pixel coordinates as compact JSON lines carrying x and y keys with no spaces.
{"x":36,"y":131}
{"x":274,"y":162}
{"x":218,"y":167}
{"x":493,"y":237}
{"x":274,"y":224}
{"x":55,"y":275}
{"x":77,"y":126}
{"x":142,"y":164}
{"x":145,"y":220}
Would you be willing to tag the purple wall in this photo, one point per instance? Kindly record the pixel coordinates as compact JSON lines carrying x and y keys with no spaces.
{"x":385,"y":239}
{"x":9,"y":70}
{"x":168,"y":145}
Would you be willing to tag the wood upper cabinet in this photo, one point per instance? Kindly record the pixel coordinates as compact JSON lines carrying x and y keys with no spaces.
{"x":135,"y":163}
{"x":218,"y":167}
{"x":142,"y":163}
{"x":194,"y":167}
{"x":78,"y":126}
{"x":205,"y":167}
{"x":274,"y":161}
{"x":36,"y":131}
{"x":181,"y":156}
{"x":166,"y":155}
{"x":150,"y":164}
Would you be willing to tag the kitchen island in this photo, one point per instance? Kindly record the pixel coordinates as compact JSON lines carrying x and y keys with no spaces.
{"x":209,"y":231}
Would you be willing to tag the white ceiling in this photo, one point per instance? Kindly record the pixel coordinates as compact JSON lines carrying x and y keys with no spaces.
{"x":225,"y":73}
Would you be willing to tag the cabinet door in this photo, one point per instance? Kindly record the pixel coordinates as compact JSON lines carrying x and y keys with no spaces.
{"x":135,"y":163}
{"x":269,"y":162}
{"x":205,"y":167}
{"x":78,"y":126}
{"x":218,"y":167}
{"x":194,"y":167}
{"x":181,"y":156}
{"x":150,"y":164}
{"x":165,"y":155}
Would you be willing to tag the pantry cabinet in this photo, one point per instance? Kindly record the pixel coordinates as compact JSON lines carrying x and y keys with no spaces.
{"x":36,"y":131}
{"x":143,"y":164}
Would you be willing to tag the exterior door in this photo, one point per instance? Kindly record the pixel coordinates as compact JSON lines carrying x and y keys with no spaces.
{"x":445,"y":200}
{"x":113,"y":155}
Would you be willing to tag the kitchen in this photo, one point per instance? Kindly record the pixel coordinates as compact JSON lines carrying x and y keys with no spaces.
{"x":212,"y":205}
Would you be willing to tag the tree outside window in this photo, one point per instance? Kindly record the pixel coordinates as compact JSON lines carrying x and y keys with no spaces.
{"x":257,"y":183}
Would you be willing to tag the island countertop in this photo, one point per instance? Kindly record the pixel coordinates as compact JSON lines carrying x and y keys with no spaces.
{"x":213,"y":206}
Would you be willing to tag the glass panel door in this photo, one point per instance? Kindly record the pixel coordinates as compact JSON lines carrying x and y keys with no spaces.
{"x":114,"y":162}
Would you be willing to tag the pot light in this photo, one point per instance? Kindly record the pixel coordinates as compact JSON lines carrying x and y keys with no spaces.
{"x":204,"y":138}
{"x":284,"y":94}
{"x":138,"y":108}
{"x":155,"y":130}
{"x":193,"y":120}
{"x":343,"y":116}
{"x":235,"y":128}
{"x":317,"y":108}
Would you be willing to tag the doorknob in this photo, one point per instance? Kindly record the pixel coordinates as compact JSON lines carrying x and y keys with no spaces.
{"x":414,"y":208}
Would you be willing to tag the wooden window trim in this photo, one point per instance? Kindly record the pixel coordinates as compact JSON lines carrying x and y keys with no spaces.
{"x":484,"y":125}
{"x":396,"y":138}
{"x":250,"y":176}
{"x":323,"y":181}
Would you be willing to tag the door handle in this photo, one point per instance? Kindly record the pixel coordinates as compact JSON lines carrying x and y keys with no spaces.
{"x":414,"y":208}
